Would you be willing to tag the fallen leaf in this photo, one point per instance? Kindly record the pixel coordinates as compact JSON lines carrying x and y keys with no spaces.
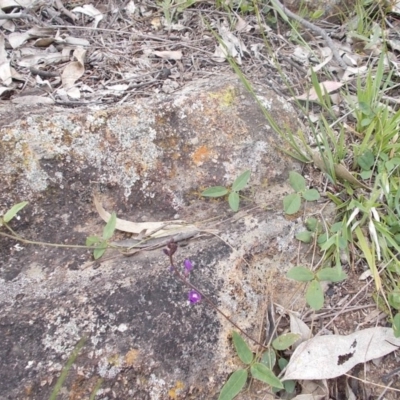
{"x":160,"y":229}
{"x":169,"y":55}
{"x":330,"y":356}
{"x":326,"y":87}
{"x":300,"y":327}
{"x":90,"y":11}
{"x":75,"y":69}
{"x":5,"y":69}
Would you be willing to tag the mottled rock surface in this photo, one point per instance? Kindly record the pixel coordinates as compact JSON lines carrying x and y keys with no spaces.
{"x":147,"y":161}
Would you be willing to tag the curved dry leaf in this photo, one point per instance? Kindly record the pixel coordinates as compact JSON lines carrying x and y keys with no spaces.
{"x":160,"y":229}
{"x":90,"y":11}
{"x":327,"y":357}
{"x":326,"y":87}
{"x":75,"y":69}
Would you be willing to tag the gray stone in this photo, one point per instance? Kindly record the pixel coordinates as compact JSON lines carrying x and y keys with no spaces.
{"x":147,"y":161}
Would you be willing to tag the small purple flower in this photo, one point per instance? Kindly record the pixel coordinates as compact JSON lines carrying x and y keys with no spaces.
{"x":194,"y":297}
{"x":188,"y":265}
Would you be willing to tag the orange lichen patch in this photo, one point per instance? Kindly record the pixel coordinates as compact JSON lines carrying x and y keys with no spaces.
{"x":172,"y":393}
{"x":202,"y":154}
{"x":131,"y":356}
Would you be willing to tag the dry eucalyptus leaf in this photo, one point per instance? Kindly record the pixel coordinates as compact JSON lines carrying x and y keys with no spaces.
{"x":169,"y":55}
{"x":16,"y":39}
{"x":160,"y":229}
{"x":90,"y":11}
{"x":327,"y":357}
{"x":241,"y":24}
{"x":74,"y":70}
{"x":326,"y":87}
{"x":300,"y":327}
{"x":73,"y":41}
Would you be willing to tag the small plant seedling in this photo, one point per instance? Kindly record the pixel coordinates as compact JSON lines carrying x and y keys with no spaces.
{"x":101,"y":243}
{"x":292,"y":202}
{"x":315,"y":294}
{"x":233,"y":198}
{"x":260,"y":367}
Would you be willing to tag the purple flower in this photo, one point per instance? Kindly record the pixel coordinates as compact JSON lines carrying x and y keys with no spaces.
{"x":188,"y":265}
{"x":194,"y":297}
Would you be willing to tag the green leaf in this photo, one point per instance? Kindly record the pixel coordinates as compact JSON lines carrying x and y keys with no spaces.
{"x":12,"y":212}
{"x":215,"y":191}
{"x":291,"y":203}
{"x":366,"y":174}
{"x":305,"y":236}
{"x":337,"y":227}
{"x":100,"y":250}
{"x":311,"y":224}
{"x":300,"y":274}
{"x":315,"y":295}
{"x":289,"y":386}
{"x":262,"y":373}
{"x":366,"y":160}
{"x":109,"y":229}
{"x":242,"y":350}
{"x":297,"y":182}
{"x":331,"y":275}
{"x":311,"y":195}
{"x":286,"y":340}
{"x":268,"y":358}
{"x":91,"y":240}
{"x":394,"y":299}
{"x":234,"y":385}
{"x":241,"y":181}
{"x":322,"y":238}
{"x":282,"y":362}
{"x":233,"y":200}
{"x":396,"y":325}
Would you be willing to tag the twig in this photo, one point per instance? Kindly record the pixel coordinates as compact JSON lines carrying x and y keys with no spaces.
{"x":63,"y":10}
{"x":314,"y":28}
